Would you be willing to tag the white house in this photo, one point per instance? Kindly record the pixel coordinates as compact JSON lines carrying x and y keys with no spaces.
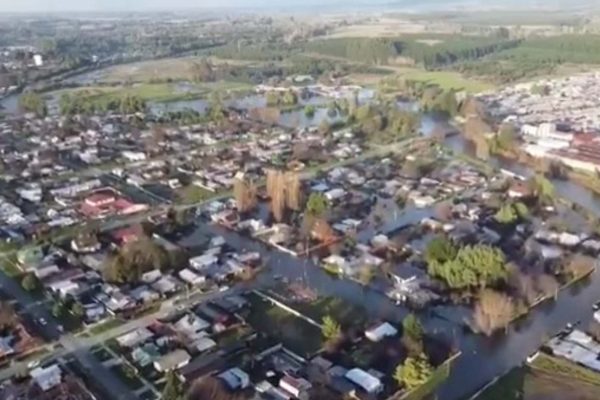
{"x":381,"y":331}
{"x":204,"y":261}
{"x":364,"y":380}
{"x":47,"y":378}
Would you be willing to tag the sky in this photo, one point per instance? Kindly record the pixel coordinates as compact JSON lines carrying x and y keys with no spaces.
{"x":146,"y":5}
{"x":45,"y":6}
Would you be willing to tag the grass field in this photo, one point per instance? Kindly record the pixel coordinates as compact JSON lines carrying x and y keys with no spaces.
{"x":445,"y":79}
{"x":547,"y":378}
{"x":168,"y":68}
{"x":159,"y":92}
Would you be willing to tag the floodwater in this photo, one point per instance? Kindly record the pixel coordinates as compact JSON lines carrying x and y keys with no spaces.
{"x":482,"y":358}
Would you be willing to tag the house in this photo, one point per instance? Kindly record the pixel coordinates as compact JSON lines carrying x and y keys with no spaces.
{"x":151,"y":276}
{"x":166,"y":285}
{"x":191,"y":278}
{"x":203,"y":262}
{"x":172,"y":361}
{"x":335,"y":194}
{"x":297,"y":387}
{"x":144,"y":294}
{"x":190,"y":325}
{"x":519,"y":190}
{"x":365,"y":381}
{"x":204,"y":344}
{"x":94,"y":312}
{"x":64,"y":288}
{"x":145,"y":355}
{"x":134,"y":338}
{"x":235,"y":379}
{"x":47,"y":378}
{"x":381,"y":331}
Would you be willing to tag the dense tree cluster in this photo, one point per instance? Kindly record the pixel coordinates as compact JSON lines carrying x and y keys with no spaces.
{"x":473,"y":266}
{"x":331,"y":328}
{"x":414,"y":372}
{"x":511,"y":213}
{"x":136,"y":258}
{"x":33,"y":102}
{"x":82,"y":103}
{"x":287,"y":98}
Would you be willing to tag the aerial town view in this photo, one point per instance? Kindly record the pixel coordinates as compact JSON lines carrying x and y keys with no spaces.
{"x":312,"y":200}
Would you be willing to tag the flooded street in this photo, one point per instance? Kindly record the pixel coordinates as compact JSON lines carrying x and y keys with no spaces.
{"x":482,"y":358}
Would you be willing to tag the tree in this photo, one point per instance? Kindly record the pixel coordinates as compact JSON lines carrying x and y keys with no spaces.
{"x":8,"y":317}
{"x":293,"y":193}
{"x":135,"y":258}
{"x":33,"y":102}
{"x":77,"y":310}
{"x":478,"y":265}
{"x":412,"y":327}
{"x":331,"y":329}
{"x":317,"y":204}
{"x":58,"y":309}
{"x":414,"y":372}
{"x":30,"y":282}
{"x":493,"y":311}
{"x":521,"y":210}
{"x":211,"y":388}
{"x":548,"y":285}
{"x":507,"y":136}
{"x":244,"y":193}
{"x":506,"y":214}
{"x":173,"y":389}
{"x":542,"y":189}
{"x":277,"y":192}
{"x":440,"y":250}
{"x":309,"y":111}
{"x":580,"y":265}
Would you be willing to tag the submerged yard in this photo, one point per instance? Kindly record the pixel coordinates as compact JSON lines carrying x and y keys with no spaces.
{"x":547,"y":378}
{"x":293,"y":332}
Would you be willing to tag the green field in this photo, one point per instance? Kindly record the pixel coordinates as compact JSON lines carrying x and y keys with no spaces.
{"x":445,"y":79}
{"x":547,"y":378}
{"x":159,"y":92}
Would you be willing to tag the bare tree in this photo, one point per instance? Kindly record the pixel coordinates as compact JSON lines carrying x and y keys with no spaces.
{"x":443,"y":210}
{"x":244,"y":193}
{"x":493,"y":311}
{"x":211,"y":388}
{"x":523,"y":284}
{"x":8,"y":318}
{"x":293,"y":191}
{"x":594,"y":330}
{"x":547,"y":285}
{"x":580,"y":265}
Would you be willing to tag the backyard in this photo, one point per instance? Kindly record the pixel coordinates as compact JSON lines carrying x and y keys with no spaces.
{"x":293,"y":332}
{"x":546,"y":378}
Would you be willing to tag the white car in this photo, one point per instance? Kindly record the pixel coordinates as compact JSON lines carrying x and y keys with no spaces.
{"x":33,"y":364}
{"x":43,"y":321}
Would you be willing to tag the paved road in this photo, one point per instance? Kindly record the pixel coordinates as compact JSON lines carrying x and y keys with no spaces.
{"x":50,"y":330}
{"x":72,"y":344}
{"x":80,"y":346}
